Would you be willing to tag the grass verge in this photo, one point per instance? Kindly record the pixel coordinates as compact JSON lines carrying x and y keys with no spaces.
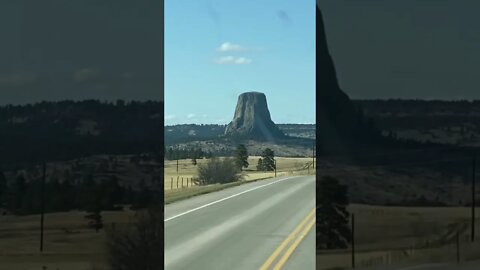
{"x":178,"y":195}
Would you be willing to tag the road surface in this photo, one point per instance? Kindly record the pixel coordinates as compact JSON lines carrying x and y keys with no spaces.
{"x":452,"y":266}
{"x":260,"y":225}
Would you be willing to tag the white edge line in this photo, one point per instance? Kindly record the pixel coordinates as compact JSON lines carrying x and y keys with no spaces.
{"x":226,"y":198}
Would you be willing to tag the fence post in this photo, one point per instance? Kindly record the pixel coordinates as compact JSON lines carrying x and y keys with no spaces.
{"x":473,"y":199}
{"x":182,"y":182}
{"x":171,"y":184}
{"x":42,"y":204}
{"x":177,"y":181}
{"x":458,"y":247}
{"x":187,"y":182}
{"x":353,"y":241}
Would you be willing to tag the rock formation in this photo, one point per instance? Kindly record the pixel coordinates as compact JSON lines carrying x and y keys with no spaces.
{"x":339,"y":122}
{"x":252,"y":119}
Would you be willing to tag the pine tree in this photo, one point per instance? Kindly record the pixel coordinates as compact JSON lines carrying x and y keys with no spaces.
{"x":260,"y":165}
{"x":95,"y":220}
{"x":3,"y":187}
{"x":332,"y":229}
{"x":94,"y":208}
{"x":241,"y":157}
{"x":268,"y":160}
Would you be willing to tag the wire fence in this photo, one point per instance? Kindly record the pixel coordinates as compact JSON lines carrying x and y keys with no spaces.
{"x":427,"y":230}
{"x":181,"y":174}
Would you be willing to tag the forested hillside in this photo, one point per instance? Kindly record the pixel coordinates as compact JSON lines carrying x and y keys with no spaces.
{"x":71,"y":129}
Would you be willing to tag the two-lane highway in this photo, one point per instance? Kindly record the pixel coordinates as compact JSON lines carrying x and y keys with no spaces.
{"x":263,"y":225}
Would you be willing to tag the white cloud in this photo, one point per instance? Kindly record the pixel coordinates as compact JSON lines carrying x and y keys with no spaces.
{"x":230,"y":47}
{"x":233,"y":60}
{"x":191,"y":115}
{"x":169,"y":117}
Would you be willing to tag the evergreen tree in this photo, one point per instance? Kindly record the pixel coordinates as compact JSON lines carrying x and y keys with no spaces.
{"x":95,"y":220}
{"x":260,"y":165}
{"x":241,"y":157}
{"x":3,"y":187}
{"x":332,"y":228}
{"x":268,"y":161}
{"x":93,"y":205}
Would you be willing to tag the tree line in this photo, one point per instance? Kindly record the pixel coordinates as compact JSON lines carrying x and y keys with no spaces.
{"x":64,"y":130}
{"x":22,"y":197}
{"x":173,"y":153}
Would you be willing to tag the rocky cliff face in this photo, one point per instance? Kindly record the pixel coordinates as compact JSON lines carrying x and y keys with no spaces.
{"x":252,"y":119}
{"x":339,"y":122}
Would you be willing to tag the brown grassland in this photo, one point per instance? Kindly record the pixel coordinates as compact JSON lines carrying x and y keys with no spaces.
{"x":382,"y":233}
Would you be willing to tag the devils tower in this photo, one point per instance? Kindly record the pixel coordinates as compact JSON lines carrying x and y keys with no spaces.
{"x":252,"y":119}
{"x":339,"y":122}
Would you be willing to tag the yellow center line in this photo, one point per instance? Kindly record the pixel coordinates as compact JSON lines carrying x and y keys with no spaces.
{"x":282,"y":246}
{"x":292,"y":248}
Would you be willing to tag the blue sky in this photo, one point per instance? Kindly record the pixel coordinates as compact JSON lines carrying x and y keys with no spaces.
{"x":216,"y":50}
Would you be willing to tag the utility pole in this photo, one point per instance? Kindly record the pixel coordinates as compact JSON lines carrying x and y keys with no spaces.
{"x":474,"y":163}
{"x":275,"y":165}
{"x":177,"y":164}
{"x":42,"y":204}
{"x":313,"y":155}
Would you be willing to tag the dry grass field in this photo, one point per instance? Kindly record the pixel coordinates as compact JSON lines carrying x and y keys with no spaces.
{"x":383,"y":234}
{"x":405,"y":234}
{"x":187,"y":170}
{"x":68,"y":243}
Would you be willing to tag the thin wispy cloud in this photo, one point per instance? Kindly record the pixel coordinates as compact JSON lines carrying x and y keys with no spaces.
{"x":169,"y":117}
{"x":230,"y":47}
{"x":191,"y":115}
{"x":233,"y":60}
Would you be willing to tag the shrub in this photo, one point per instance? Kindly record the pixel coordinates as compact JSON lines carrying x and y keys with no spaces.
{"x":137,"y":247}
{"x":218,"y":170}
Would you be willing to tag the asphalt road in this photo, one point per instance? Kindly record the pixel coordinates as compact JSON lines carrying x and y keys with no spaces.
{"x":243,"y":227}
{"x":453,"y":266}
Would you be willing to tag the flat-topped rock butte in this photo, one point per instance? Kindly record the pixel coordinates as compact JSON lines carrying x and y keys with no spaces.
{"x":252,"y":119}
